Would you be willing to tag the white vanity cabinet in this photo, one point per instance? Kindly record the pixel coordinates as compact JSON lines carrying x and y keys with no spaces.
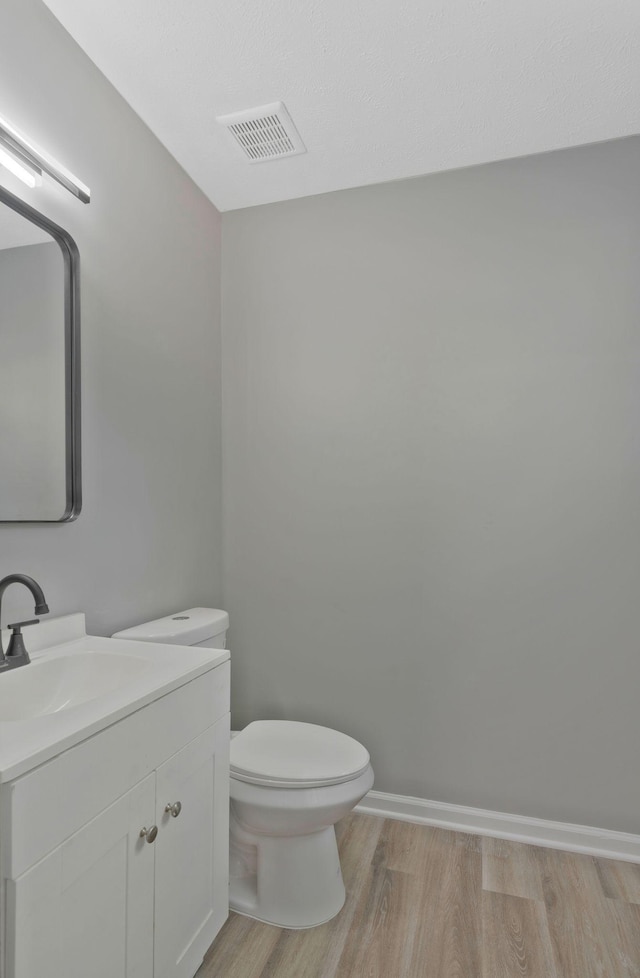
{"x":85,"y":894}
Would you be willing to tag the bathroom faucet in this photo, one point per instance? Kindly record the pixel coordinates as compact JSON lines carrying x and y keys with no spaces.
{"x":17,"y":655}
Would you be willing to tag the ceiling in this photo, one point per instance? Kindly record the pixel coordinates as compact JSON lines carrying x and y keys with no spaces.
{"x":378,"y":89}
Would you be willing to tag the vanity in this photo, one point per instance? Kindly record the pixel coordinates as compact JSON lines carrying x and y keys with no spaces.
{"x":114,"y":802}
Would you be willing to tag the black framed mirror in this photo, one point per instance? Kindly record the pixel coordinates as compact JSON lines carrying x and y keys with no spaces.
{"x":40,"y":474}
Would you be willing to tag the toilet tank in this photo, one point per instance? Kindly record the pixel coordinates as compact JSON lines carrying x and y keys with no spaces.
{"x":203,"y":627}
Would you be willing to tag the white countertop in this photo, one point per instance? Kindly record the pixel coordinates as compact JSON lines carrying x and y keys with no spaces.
{"x":24,"y":744}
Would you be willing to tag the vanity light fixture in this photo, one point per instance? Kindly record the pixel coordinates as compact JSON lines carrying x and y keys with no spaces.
{"x":20,"y":168}
{"x":28,"y":162}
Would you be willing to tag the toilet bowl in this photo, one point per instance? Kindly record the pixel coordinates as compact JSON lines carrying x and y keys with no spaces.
{"x":290,"y":783}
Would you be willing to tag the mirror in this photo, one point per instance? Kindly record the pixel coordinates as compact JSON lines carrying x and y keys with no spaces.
{"x":39,"y":368}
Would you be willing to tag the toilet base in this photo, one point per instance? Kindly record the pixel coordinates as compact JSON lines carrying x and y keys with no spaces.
{"x":298,"y":881}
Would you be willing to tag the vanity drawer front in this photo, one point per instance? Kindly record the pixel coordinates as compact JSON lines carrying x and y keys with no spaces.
{"x":43,"y":808}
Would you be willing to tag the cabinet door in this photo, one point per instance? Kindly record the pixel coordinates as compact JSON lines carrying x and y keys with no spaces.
{"x":192,"y":852}
{"x":87,"y":907}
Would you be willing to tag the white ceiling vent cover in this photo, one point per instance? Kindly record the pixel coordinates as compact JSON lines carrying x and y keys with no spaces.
{"x":265,"y":133}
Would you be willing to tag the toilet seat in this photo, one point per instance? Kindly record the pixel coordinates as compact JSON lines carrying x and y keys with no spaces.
{"x":289,"y":754}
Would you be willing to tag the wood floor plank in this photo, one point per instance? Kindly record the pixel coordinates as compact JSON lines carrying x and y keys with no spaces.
{"x":449,"y":934}
{"x":470,"y":841}
{"x":385,"y":944}
{"x":579,"y":921}
{"x":406,"y":851}
{"x":369,"y":908}
{"x":241,"y":949}
{"x":619,"y":881}
{"x":511,"y":868}
{"x":358,"y":841}
{"x":625,"y":937}
{"x":516,"y":939}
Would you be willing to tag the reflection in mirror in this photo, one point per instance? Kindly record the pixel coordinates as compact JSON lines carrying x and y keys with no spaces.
{"x":39,"y":474}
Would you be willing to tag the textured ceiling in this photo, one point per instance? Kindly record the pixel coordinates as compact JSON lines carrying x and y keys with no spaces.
{"x":379,"y":89}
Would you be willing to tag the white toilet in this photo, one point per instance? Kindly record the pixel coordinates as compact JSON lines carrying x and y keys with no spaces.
{"x":290,"y":783}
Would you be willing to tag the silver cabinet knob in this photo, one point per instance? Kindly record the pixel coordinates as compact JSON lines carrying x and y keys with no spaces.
{"x":173,"y":810}
{"x":149,"y":834}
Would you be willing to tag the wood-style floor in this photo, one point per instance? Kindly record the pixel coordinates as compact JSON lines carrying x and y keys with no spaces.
{"x":428,"y":903}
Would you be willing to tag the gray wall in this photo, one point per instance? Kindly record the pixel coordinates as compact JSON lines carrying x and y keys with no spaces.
{"x":432,"y":478}
{"x":148,"y":538}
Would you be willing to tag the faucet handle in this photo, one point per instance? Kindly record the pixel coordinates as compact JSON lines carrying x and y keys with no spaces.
{"x":16,"y":654}
{"x":22,"y":624}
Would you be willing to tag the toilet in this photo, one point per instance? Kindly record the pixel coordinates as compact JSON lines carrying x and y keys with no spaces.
{"x":290,"y":782}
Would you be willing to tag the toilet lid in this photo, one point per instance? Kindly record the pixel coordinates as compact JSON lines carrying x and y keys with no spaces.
{"x":285,"y":753}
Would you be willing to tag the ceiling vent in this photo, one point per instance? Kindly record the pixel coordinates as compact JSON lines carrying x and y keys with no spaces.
{"x":265,"y":133}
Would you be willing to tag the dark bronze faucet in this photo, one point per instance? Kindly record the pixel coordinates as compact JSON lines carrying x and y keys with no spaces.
{"x":16,"y":654}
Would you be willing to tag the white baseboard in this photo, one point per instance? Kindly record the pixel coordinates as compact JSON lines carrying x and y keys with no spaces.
{"x":518,"y":828}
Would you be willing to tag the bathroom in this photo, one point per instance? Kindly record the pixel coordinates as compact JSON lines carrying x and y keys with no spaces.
{"x":388,"y":424}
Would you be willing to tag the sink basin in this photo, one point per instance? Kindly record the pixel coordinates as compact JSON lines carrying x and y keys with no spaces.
{"x":48,"y":686}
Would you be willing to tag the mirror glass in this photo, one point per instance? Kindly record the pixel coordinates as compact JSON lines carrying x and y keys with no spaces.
{"x":39,"y":463}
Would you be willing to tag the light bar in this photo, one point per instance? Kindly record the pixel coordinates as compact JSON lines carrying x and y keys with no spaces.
{"x":27,"y":161}
{"x":30,"y":175}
